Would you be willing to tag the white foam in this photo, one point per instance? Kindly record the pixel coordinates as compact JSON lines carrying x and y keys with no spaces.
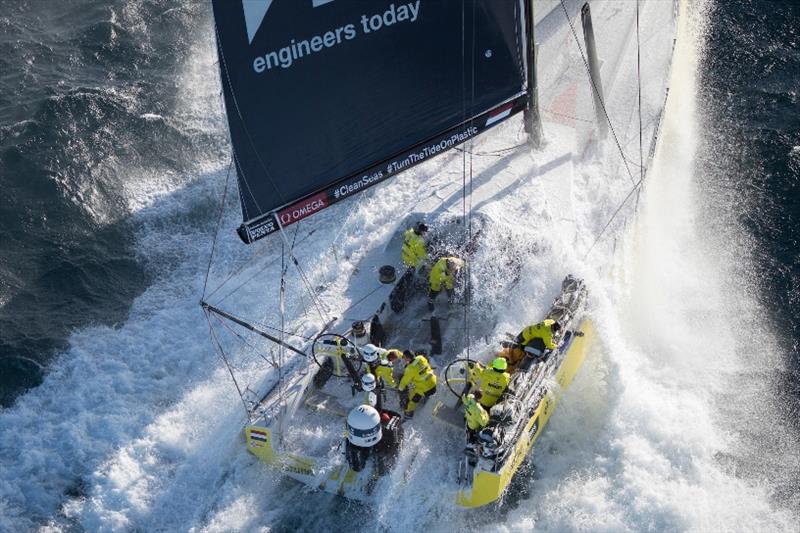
{"x":146,"y":417}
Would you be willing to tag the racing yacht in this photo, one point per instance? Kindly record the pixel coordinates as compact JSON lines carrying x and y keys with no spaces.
{"x":327,"y":99}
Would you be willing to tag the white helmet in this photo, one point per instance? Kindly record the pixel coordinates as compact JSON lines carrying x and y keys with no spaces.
{"x":370,"y":353}
{"x":368,"y":382}
{"x":364,"y":426}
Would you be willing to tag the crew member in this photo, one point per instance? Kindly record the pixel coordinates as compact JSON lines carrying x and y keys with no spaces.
{"x":475,"y":415}
{"x":443,"y":276}
{"x":380,"y":363}
{"x":474,"y":371}
{"x":494,"y":380}
{"x":420,"y":380}
{"x":536,"y":337}
{"x":368,"y":395}
{"x":514,"y":354}
{"x":413,"y":252}
{"x":385,"y":369}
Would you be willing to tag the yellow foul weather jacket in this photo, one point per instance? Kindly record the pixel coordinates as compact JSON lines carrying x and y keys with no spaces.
{"x":440,"y":277}
{"x":419,"y":374}
{"x":476,"y":415}
{"x":540,"y":331}
{"x":384,"y":371}
{"x":414,"y":254}
{"x":474,"y":373}
{"x":493,"y":384}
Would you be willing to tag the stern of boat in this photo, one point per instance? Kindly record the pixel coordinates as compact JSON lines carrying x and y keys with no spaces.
{"x":482,"y":485}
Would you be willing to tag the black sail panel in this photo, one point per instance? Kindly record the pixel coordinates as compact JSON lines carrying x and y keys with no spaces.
{"x":328,"y":97}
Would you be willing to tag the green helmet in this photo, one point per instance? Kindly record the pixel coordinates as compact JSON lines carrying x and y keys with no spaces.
{"x":500,"y":364}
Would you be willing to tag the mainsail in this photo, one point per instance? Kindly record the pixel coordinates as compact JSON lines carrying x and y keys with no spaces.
{"x":326,"y":98}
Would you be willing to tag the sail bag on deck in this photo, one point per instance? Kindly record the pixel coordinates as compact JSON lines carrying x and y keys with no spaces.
{"x":328,"y":97}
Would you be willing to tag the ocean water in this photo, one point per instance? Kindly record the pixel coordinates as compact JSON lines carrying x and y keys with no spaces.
{"x":113,"y":152}
{"x":94,"y":124}
{"x":749,"y":164}
{"x":750,"y":159}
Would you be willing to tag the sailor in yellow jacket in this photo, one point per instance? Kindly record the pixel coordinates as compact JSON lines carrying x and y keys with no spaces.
{"x":443,"y":276}
{"x":494,"y":381}
{"x":474,"y":413}
{"x":385,"y":369}
{"x":420,"y":380}
{"x":413,"y":252}
{"x":537,"y":337}
{"x":474,"y":371}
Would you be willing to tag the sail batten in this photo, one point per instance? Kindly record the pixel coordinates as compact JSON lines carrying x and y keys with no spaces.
{"x":326,"y":99}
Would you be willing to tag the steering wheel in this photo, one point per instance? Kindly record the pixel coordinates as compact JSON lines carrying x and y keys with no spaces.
{"x":336,"y":347}
{"x":456,"y":376}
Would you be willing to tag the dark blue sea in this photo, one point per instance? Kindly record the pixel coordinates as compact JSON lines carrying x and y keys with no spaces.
{"x":750,"y":155}
{"x":93,"y":119}
{"x":89,"y":113}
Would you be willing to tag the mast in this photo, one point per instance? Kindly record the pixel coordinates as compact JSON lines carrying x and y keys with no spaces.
{"x":532,"y":117}
{"x":594,"y":70}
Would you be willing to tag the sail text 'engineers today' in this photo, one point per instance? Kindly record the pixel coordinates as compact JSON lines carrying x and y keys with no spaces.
{"x":286,"y":56}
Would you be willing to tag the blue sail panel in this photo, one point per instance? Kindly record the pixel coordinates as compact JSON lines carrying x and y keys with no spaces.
{"x":328,"y":97}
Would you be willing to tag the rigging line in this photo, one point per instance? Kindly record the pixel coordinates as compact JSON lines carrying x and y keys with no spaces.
{"x":635,"y":188}
{"x":246,"y":264}
{"x":499,"y":152}
{"x":320,"y":306}
{"x":273,"y":328}
{"x":343,"y":227}
{"x":594,"y":87}
{"x":639,"y":82}
{"x":468,"y":283}
{"x":376,"y":289}
{"x":244,"y":340}
{"x":303,"y":277}
{"x":463,"y":111}
{"x":283,"y":331}
{"x":321,"y":309}
{"x":219,"y":223}
{"x":284,"y":266}
{"x":566,"y":115}
{"x":282,"y":306}
{"x":221,"y":352}
{"x":246,"y":325}
{"x":642,"y":172}
{"x":463,"y":118}
{"x":332,"y":247}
